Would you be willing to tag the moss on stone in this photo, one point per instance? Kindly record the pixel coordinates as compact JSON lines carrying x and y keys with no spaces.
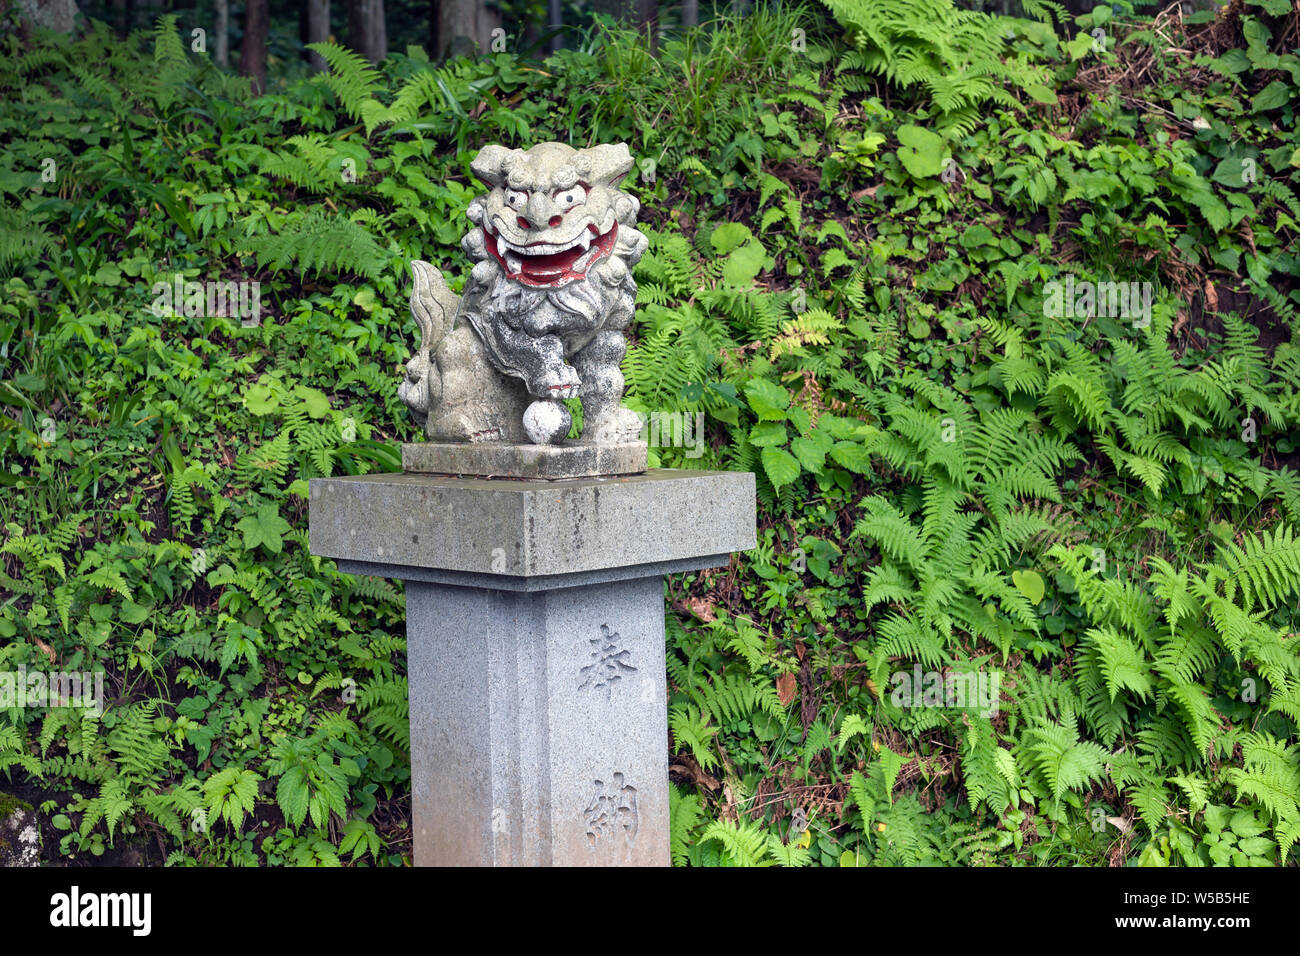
{"x":10,"y":804}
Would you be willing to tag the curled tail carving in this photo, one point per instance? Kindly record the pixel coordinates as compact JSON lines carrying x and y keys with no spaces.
{"x":433,"y":307}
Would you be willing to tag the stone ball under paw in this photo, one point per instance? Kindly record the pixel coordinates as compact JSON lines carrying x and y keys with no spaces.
{"x":547,"y":422}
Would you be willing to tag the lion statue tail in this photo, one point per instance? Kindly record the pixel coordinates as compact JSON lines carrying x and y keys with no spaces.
{"x":434,"y":307}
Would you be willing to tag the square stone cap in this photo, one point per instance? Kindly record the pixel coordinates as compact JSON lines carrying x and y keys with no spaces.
{"x":494,"y":459}
{"x":513,"y":528}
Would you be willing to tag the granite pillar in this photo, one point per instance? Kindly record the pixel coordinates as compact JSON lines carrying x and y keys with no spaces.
{"x":535,"y":643}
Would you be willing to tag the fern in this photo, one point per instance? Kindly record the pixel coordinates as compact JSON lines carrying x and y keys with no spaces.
{"x":385,"y":708}
{"x":1065,"y":762}
{"x":320,"y":242}
{"x":742,"y":844}
{"x":990,"y":772}
{"x":691,"y":728}
{"x":22,"y":242}
{"x":956,"y":55}
{"x":142,"y":754}
{"x":685,"y":812}
{"x":1266,"y":570}
{"x":1270,"y":774}
{"x":353,"y":81}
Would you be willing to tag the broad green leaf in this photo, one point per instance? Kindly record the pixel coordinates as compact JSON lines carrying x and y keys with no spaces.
{"x":730,"y":236}
{"x":133,"y":613}
{"x":811,"y":455}
{"x":768,"y":434}
{"x":1271,"y":97}
{"x":365,"y":299}
{"x":1245,"y":824}
{"x":920,"y":151}
{"x":316,"y":401}
{"x":744,"y":264}
{"x":1030,"y":584}
{"x":768,"y":400}
{"x":977,"y":235}
{"x":799,"y":418}
{"x":781,"y":466}
{"x":852,"y":456}
{"x":265,"y":528}
{"x":1040,"y":93}
{"x":1214,"y":210}
{"x":1080,"y":46}
{"x":260,"y":400}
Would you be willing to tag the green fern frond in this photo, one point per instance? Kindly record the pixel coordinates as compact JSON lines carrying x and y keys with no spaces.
{"x":320,"y":242}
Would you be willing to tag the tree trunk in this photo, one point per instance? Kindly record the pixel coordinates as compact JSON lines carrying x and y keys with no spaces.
{"x":221,"y":42}
{"x":690,"y":13}
{"x":367,"y":31}
{"x":640,"y":14}
{"x":647,"y":21}
{"x":555,"y":21}
{"x":465,"y":27}
{"x":252,"y":56}
{"x":621,"y":10}
{"x":318,"y":30}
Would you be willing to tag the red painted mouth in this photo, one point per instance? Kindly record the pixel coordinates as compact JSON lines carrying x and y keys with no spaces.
{"x":548,"y":265}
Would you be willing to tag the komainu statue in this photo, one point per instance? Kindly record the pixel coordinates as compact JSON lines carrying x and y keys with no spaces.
{"x":544,"y":309}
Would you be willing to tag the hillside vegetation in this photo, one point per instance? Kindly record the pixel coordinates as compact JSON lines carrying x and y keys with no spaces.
{"x":1027,"y":570}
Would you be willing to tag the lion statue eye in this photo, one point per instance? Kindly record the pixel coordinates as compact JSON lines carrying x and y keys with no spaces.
{"x":515,"y":199}
{"x":571,"y":197}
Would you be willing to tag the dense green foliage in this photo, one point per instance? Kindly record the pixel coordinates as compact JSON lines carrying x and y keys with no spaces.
{"x":854,"y":239}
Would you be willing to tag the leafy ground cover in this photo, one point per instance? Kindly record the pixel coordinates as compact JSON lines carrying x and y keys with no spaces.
{"x":1026,"y":577}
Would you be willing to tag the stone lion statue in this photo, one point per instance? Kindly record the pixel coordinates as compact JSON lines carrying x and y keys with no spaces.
{"x":544,"y":309}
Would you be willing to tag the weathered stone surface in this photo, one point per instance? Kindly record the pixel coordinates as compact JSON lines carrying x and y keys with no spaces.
{"x":20,"y":837}
{"x":544,"y":309}
{"x":57,"y":15}
{"x":550,"y":462}
{"x":535,"y":648}
{"x":538,"y":725}
{"x":531,"y":528}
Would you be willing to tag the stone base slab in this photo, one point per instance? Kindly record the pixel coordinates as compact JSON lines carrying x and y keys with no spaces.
{"x":496,"y":530}
{"x":545,"y":462}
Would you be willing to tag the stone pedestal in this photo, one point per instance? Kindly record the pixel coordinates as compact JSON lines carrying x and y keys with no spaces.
{"x":500,"y":460}
{"x":535,"y":643}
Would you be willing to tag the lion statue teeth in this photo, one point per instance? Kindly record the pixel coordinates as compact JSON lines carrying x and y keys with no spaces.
{"x":544,"y":308}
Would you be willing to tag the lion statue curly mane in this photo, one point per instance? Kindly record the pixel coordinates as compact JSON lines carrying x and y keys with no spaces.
{"x":544,"y":309}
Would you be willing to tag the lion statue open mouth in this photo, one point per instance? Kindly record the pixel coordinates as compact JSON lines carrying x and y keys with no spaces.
{"x":544,"y":309}
{"x":551,"y":264}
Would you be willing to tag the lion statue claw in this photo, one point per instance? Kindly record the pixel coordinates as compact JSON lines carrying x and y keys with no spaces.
{"x":544,"y":309}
